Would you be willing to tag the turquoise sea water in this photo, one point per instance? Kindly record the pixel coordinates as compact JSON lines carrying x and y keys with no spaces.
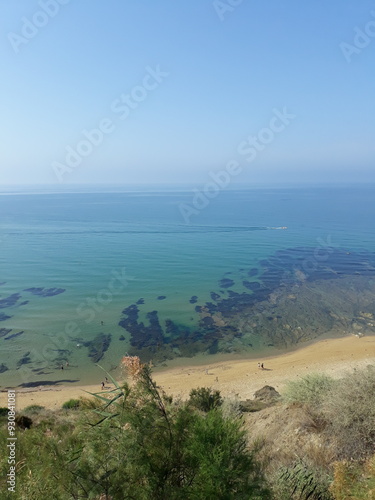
{"x":83,"y":242}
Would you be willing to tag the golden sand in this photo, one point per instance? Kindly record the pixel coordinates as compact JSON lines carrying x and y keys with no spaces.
{"x":239,"y":377}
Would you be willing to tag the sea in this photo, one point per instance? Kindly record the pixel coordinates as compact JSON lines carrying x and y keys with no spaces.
{"x":90,"y":274}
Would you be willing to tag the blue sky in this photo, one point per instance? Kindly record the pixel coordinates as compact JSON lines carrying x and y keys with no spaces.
{"x":225,"y":69}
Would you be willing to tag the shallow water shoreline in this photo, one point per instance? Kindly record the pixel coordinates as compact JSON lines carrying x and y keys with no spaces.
{"x":234,"y":378}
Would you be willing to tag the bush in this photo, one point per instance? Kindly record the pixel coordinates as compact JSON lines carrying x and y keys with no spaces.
{"x":3,"y":411}
{"x":72,"y":404}
{"x":352,"y":480}
{"x":310,"y":389}
{"x":157,"y":450}
{"x":301,"y":482}
{"x":205,"y":399}
{"x":33,"y":409}
{"x":350,"y":409}
{"x":23,"y":422}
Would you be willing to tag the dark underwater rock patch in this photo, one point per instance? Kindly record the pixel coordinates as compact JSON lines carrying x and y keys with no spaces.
{"x":286,"y":305}
{"x":98,"y":346}
{"x":226,"y":283}
{"x":48,"y":382}
{"x":251,"y":285}
{"x":162,"y":297}
{"x":253,"y":272}
{"x":4,"y":332}
{"x":142,"y":336}
{"x":14,"y":335}
{"x":4,"y":317}
{"x":214,"y":296}
{"x":3,"y":368}
{"x":140,"y":301}
{"x":45,"y":292}
{"x":10,"y":301}
{"x":25,"y":360}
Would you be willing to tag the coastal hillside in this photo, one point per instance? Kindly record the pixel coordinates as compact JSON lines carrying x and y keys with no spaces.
{"x":313,"y":441}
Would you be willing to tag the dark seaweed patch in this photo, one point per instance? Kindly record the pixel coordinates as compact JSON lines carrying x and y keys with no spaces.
{"x":98,"y":346}
{"x":14,"y":335}
{"x":141,"y":335}
{"x":140,"y":301}
{"x":4,"y":317}
{"x":286,"y":305}
{"x":3,"y":368}
{"x":251,"y":285}
{"x":48,"y":382}
{"x":45,"y":292}
{"x":25,"y":360}
{"x":10,"y":301}
{"x":162,"y":297}
{"x":253,"y":272}
{"x":226,"y":283}
{"x":4,"y":332}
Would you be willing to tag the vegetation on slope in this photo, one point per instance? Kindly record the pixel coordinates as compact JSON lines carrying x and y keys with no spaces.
{"x":135,"y":442}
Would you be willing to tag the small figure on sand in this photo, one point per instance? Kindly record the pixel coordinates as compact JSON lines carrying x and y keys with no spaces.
{"x":259,"y":365}
{"x":67,"y":363}
{"x":262,"y":366}
{"x":62,"y":367}
{"x":103,"y":385}
{"x":106,"y":380}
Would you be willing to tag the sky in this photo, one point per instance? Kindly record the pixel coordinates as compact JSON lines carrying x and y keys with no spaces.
{"x":136,"y":91}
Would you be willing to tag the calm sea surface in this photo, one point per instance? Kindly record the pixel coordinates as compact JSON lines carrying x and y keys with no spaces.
{"x":109,"y":250}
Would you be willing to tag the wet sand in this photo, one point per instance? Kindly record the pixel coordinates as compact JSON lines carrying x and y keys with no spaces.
{"x":233,"y":378}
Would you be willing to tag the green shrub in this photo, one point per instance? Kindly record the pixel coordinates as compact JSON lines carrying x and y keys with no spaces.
{"x":33,"y":409}
{"x":137,"y":445}
{"x":205,"y":399}
{"x":3,"y":411}
{"x":72,"y":404}
{"x":144,"y":444}
{"x":310,"y":389}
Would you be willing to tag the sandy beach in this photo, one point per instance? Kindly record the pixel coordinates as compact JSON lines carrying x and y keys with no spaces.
{"x":239,"y":378}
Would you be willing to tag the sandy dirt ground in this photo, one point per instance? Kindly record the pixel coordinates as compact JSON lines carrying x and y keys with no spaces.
{"x":239,"y":378}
